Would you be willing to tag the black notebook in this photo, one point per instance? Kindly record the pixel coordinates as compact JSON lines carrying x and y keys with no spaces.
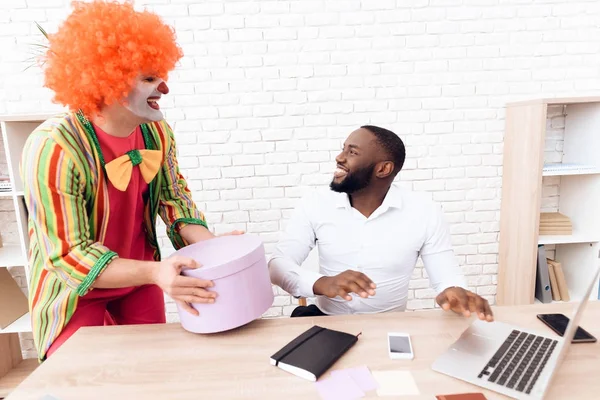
{"x":313,"y":352}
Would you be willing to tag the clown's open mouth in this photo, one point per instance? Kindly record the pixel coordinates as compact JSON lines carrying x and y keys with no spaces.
{"x":152,"y":102}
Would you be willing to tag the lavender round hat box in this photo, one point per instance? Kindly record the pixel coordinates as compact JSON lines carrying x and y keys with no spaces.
{"x":237,"y":266}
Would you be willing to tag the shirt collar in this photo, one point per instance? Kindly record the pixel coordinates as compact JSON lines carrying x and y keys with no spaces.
{"x":393,"y":197}
{"x":342,"y":201}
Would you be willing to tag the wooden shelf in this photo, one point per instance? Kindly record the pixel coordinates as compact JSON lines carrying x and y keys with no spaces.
{"x":17,"y":375}
{"x":557,"y":101}
{"x":576,"y":237}
{"x":11,"y":256}
{"x":536,"y":301}
{"x":12,"y":193}
{"x":21,"y":325}
{"x":569,"y":169}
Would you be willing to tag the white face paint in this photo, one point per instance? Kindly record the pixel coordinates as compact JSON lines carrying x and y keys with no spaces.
{"x":142,"y":100}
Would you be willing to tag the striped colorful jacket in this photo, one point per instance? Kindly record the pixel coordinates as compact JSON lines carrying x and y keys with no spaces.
{"x":66,"y":196}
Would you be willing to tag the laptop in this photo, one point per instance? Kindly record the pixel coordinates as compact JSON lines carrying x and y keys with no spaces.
{"x":507,"y":359}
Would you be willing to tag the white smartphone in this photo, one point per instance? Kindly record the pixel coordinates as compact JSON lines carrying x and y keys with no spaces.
{"x":400,"y":346}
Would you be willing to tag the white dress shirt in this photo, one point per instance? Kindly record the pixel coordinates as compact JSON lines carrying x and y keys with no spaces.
{"x":385,"y":247}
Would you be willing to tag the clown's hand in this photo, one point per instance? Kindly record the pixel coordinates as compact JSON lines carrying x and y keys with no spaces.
{"x":184,"y":290}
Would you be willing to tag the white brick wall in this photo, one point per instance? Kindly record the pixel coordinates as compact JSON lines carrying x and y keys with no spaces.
{"x":268,"y":90}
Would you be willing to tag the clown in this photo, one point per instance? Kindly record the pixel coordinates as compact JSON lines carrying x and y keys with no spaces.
{"x":97,"y":177}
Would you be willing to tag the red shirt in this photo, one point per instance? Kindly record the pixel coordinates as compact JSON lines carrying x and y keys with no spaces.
{"x":125,"y":234}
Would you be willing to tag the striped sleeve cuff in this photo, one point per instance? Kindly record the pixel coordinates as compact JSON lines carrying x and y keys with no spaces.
{"x":96,"y":270}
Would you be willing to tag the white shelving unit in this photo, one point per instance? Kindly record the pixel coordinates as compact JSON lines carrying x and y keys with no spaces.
{"x":579,"y":197}
{"x":15,"y":131}
{"x":576,"y":174}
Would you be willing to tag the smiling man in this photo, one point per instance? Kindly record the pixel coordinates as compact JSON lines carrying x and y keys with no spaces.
{"x":97,"y":177}
{"x":369,"y":233}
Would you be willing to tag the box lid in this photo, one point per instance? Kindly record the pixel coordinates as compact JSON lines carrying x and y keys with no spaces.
{"x":223,"y":255}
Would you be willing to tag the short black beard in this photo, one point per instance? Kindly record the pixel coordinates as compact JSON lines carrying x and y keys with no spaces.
{"x":354,"y":181}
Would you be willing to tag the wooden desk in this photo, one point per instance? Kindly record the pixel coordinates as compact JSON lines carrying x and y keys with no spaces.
{"x":166,"y":362}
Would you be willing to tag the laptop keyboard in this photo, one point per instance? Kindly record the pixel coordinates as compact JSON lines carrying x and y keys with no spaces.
{"x":519,"y":362}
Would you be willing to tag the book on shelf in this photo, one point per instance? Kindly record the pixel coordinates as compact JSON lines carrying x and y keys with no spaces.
{"x":5,"y":184}
{"x":555,"y":223}
{"x":553,"y":282}
{"x":542,"y":278}
{"x":561,"y":282}
{"x":550,"y":282}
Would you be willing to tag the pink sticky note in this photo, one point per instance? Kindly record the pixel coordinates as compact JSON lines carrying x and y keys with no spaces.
{"x":361,"y":376}
{"x":339,"y":386}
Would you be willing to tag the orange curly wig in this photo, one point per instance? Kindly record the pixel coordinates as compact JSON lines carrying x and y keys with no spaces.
{"x":95,"y":56}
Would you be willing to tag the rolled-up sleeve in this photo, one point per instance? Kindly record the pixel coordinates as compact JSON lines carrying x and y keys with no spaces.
{"x":438,"y":256}
{"x":294,"y":246}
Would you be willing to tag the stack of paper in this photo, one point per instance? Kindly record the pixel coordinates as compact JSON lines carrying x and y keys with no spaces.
{"x":350,"y":383}
{"x":555,"y":224}
{"x":396,"y":383}
{"x":353,"y":383}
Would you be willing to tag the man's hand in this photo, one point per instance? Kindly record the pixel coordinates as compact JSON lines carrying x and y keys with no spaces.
{"x":343,"y":284}
{"x":465,"y":302}
{"x":182,"y":289}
